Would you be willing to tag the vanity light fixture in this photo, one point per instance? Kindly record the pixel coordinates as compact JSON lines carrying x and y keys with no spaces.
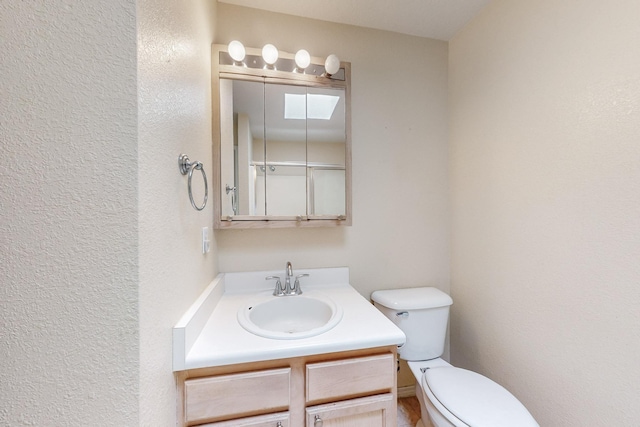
{"x":303,"y":60}
{"x":270,"y":54}
{"x":331,"y":65}
{"x":237,"y":51}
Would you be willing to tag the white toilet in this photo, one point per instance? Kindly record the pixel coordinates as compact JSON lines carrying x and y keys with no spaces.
{"x":448,"y":396}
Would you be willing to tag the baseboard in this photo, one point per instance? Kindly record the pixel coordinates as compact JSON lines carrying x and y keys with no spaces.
{"x":406,"y":391}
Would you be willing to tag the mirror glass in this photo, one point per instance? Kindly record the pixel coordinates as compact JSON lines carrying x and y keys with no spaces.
{"x":242,"y":147}
{"x":283,"y":150}
{"x":326,"y":151}
{"x":286,"y":150}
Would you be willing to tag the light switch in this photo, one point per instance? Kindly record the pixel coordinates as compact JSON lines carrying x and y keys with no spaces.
{"x":205,"y":240}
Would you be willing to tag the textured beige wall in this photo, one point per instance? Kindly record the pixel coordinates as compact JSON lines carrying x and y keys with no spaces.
{"x":68,"y":214}
{"x":174,"y":89}
{"x":545,"y":176}
{"x":399,"y":236}
{"x":100,"y":246}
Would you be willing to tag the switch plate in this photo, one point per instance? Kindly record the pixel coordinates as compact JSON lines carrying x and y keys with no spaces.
{"x":205,"y":240}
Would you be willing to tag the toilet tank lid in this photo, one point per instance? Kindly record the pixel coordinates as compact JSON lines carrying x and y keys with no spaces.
{"x":412,"y":298}
{"x":475,"y":399}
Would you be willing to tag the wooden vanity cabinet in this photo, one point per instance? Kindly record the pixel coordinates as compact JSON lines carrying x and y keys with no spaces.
{"x":347,"y":389}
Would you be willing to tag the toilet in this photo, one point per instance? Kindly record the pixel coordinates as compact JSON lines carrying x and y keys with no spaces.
{"x":448,"y":396}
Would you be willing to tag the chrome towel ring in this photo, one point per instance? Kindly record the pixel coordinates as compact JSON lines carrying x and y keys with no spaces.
{"x":187,"y":167}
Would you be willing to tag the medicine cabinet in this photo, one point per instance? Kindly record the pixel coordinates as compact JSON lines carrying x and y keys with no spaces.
{"x":281,"y":141}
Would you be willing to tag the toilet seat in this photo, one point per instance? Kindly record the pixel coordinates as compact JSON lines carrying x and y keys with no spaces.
{"x":474,"y":399}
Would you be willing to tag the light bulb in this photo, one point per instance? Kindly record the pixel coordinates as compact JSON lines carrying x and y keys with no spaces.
{"x":332,"y":64}
{"x":270,"y":54}
{"x":303,"y":59}
{"x":236,"y":51}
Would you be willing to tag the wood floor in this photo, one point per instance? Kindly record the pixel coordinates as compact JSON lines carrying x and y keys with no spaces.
{"x":408,"y":411}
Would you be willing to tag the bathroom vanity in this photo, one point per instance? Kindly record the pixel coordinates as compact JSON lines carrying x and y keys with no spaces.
{"x":229,"y":376}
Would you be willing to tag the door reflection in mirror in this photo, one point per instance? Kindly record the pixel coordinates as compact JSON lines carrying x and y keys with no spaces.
{"x":286,"y":151}
{"x":326,"y":156}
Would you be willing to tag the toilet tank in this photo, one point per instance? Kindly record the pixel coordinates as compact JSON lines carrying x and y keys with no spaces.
{"x":422,"y":314}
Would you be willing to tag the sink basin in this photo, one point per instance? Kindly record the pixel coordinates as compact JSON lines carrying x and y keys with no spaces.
{"x":290,"y":317}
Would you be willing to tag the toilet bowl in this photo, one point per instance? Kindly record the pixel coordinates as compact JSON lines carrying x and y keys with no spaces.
{"x":448,"y":396}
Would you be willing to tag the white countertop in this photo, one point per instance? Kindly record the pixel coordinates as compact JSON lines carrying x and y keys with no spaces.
{"x":209,"y":334}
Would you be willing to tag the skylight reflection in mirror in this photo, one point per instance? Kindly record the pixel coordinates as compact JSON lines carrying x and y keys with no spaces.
{"x":317,"y":106}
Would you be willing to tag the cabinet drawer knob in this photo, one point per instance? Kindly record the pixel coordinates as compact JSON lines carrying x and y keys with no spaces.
{"x":318,"y":421}
{"x":279,"y":424}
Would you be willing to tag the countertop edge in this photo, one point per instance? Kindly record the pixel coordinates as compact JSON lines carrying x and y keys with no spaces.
{"x":206,"y":336}
{"x":237,"y":358}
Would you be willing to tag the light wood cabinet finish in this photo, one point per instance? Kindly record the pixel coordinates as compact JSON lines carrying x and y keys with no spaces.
{"x":214,"y":398}
{"x":346,"y":389}
{"x":260,"y":421}
{"x":346,"y":378}
{"x":375,"y":411}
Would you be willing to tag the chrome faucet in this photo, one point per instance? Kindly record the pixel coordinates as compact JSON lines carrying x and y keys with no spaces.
{"x":287,"y":281}
{"x":296,"y":290}
{"x":278,"y":291}
{"x":287,"y":289}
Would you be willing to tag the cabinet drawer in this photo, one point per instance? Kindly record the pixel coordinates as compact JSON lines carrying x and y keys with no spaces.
{"x":350,"y":377}
{"x":230,"y":396}
{"x":274,"y":420}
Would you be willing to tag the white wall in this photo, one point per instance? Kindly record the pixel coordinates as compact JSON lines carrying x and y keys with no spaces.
{"x":174,"y":89}
{"x":68,"y":214}
{"x":545,"y":118}
{"x":399,"y":236}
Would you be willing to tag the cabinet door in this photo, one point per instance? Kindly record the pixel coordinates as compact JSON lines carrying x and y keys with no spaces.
{"x":374,"y":411}
{"x":272,"y":420}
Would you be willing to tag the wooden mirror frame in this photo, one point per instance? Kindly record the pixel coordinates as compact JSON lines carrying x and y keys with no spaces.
{"x":235,"y":72}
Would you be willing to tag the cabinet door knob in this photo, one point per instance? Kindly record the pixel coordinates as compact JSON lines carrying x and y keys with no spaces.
{"x":318,"y":421}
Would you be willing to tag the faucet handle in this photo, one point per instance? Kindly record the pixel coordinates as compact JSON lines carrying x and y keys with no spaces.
{"x":278,"y":292}
{"x":296,"y":285}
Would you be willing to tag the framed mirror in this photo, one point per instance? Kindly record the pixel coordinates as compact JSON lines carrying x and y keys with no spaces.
{"x":282,"y":143}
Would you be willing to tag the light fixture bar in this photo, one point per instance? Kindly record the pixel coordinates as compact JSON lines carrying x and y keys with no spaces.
{"x":269,"y":58}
